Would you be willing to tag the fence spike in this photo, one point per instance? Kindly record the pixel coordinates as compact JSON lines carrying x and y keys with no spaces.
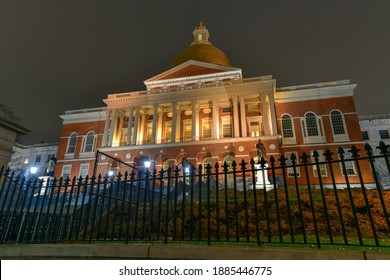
{"x":305,"y":158}
{"x":243,"y":164}
{"x":383,"y":148}
{"x":368,"y":149}
{"x":354,"y":151}
{"x":225,"y":167}
{"x":282,"y":160}
{"x":316,"y":156}
{"x":328,"y":155}
{"x":263,"y":161}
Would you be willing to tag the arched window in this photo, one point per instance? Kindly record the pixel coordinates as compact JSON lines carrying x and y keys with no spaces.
{"x":312,"y":128}
{"x":338,"y":126}
{"x":206,"y":161}
{"x":89,"y":142}
{"x":311,"y":124}
{"x":287,"y":127}
{"x":72,"y":143}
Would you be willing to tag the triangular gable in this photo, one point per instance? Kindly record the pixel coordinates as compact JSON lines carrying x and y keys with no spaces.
{"x":191,"y":68}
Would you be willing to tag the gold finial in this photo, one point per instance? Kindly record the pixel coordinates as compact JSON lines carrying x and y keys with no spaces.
{"x":201,"y":24}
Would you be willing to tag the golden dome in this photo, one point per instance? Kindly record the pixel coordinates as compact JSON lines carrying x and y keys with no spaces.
{"x":201,"y":50}
{"x":203,"y":53}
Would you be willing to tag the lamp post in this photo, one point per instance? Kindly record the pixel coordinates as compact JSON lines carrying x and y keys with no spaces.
{"x":147,"y":164}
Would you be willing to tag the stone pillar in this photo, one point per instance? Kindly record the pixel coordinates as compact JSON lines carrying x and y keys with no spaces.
{"x":135,"y":130}
{"x":129,"y":126}
{"x":236,"y":123}
{"x":273,"y":113}
{"x":160,"y":125}
{"x":178,"y":125}
{"x":174,"y":113}
{"x":215,"y":119}
{"x":112,"y":127}
{"x":244,"y":132}
{"x":107,"y":123}
{"x":194,"y":132}
{"x":265,"y":113}
{"x":153,"y":141}
{"x":197,"y":124}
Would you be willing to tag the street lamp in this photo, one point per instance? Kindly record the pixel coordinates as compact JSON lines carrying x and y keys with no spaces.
{"x":146,"y":164}
{"x":110,"y":173}
{"x":33,"y":170}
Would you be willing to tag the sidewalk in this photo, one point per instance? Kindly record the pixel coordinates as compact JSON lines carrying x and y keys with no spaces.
{"x":182,"y":252}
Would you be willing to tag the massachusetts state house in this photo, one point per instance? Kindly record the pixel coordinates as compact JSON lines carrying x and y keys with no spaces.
{"x":202,"y":110}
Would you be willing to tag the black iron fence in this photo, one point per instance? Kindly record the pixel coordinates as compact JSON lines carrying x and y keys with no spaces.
{"x":242,"y":202}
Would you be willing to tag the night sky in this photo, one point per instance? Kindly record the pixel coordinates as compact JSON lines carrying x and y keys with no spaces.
{"x":58,"y":55}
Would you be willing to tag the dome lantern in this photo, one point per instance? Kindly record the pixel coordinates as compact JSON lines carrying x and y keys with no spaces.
{"x":201,"y":50}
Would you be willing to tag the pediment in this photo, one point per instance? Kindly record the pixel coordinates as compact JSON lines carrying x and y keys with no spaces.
{"x":189,"y":69}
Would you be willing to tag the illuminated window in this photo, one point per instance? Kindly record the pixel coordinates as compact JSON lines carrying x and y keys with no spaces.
{"x":168,"y":132}
{"x":207,"y":128}
{"x":349,"y":164}
{"x":290,"y":170}
{"x":187,"y":130}
{"x":321,"y":163}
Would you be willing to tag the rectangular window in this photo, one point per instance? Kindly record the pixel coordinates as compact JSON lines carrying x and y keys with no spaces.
{"x":321,"y":163}
{"x":150,"y":117}
{"x":254,"y":127}
{"x":84,"y":169}
{"x":384,"y":134}
{"x":290,"y":170}
{"x":349,"y":164}
{"x":37,"y":159}
{"x":365,"y":135}
{"x":187,"y":130}
{"x":226,"y":110}
{"x":227,"y":130}
{"x":168,"y":132}
{"x":66,"y":171}
{"x":149,"y":130}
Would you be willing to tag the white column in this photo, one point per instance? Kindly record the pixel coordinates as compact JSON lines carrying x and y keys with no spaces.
{"x":160,"y":125}
{"x":265,"y":113}
{"x":174,"y":119}
{"x":129,"y":126}
{"x":154,"y":123}
{"x":236,"y":124}
{"x":244,"y":132}
{"x":112,"y":127}
{"x":273,"y":113}
{"x":197,"y":124}
{"x":193,"y":120}
{"x":104,"y":140}
{"x":135,"y":130}
{"x":178,"y":125}
{"x":215,"y":119}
